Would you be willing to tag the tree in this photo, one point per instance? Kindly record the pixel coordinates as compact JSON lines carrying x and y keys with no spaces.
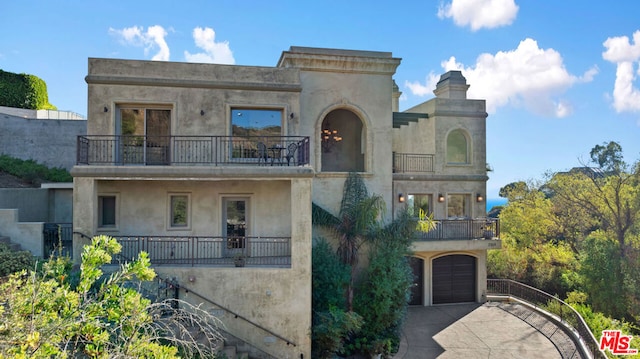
{"x":356,"y":223}
{"x":383,"y":289}
{"x":44,"y":315}
{"x":331,"y":324}
{"x":608,"y":156}
{"x":612,"y":200}
{"x":382,"y":298}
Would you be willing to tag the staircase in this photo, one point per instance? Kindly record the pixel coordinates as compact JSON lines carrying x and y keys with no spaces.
{"x":13,"y":246}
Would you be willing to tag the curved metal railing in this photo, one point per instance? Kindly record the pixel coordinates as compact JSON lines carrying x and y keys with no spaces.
{"x":550,"y":304}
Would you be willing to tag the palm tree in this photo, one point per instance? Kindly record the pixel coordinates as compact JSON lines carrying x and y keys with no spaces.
{"x":357,"y":223}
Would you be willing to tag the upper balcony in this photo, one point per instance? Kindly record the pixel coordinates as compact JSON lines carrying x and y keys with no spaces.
{"x":123,"y":150}
{"x":412,"y":163}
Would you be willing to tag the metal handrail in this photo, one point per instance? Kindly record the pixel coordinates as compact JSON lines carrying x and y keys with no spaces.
{"x":545,"y":301}
{"x":235,"y":314}
{"x":188,"y":290}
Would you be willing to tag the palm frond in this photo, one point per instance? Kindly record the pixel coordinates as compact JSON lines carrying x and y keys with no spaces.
{"x":322,"y":217}
{"x":353,"y":192}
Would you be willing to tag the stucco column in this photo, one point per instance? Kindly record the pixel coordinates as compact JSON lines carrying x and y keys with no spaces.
{"x":301,"y":245}
{"x":84,"y":216}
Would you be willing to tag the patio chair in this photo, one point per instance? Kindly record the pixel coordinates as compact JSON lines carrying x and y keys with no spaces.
{"x":291,"y":152}
{"x":263,"y":154}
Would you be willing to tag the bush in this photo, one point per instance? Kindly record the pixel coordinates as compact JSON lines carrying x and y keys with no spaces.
{"x":23,"y":91}
{"x":43,"y":316}
{"x":331,"y":324}
{"x":14,"y":261}
{"x":32,"y":171}
{"x":382,"y":300}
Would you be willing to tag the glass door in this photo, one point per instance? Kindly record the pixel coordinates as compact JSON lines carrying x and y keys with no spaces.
{"x":235,"y":226}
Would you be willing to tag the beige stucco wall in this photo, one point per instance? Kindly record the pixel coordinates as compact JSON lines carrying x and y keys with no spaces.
{"x":269,"y":206}
{"x":357,"y":81}
{"x":279,"y":299}
{"x":201,"y":95}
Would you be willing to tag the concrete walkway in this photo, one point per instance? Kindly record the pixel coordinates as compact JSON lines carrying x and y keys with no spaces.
{"x":471,"y":331}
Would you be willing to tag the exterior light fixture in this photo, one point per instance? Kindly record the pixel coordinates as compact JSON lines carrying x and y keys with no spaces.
{"x":201,"y":112}
{"x":479,"y":197}
{"x":440,"y":198}
{"x":105,"y":109}
{"x":400,"y":198}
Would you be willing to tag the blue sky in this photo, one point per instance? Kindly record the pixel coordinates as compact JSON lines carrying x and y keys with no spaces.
{"x":559,"y":77}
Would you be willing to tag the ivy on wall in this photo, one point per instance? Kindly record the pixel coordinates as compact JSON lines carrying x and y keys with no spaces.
{"x":23,"y":91}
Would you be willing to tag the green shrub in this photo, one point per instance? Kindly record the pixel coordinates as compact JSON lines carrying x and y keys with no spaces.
{"x":32,"y":171}
{"x":382,"y":300}
{"x":23,"y":91}
{"x":14,"y":261}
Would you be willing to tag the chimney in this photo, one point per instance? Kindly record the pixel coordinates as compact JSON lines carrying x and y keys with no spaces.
{"x":452,"y":85}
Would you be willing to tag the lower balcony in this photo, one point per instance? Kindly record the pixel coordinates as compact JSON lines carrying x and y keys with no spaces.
{"x":460,"y":234}
{"x":463,"y":229}
{"x":199,"y":251}
{"x":192,"y":150}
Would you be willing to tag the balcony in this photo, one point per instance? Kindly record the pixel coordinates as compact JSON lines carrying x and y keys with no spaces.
{"x":196,"y":251}
{"x":412,"y":162}
{"x":192,"y":150}
{"x":460,"y":235}
{"x":463,"y":229}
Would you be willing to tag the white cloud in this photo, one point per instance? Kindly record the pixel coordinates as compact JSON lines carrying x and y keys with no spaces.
{"x":479,"y":14}
{"x":153,"y":38}
{"x":528,"y":76}
{"x":626,"y":56}
{"x":214,"y":52}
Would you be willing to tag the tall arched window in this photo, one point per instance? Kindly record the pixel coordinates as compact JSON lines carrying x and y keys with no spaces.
{"x":341,"y":141}
{"x":457,"y":147}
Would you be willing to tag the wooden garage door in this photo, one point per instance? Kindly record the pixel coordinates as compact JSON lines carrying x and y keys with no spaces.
{"x":454,"y":279}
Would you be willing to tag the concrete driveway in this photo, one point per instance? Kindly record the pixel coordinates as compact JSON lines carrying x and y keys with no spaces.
{"x":490,"y":330}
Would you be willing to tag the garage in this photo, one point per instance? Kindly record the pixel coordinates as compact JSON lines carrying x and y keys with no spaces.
{"x":454,"y":279}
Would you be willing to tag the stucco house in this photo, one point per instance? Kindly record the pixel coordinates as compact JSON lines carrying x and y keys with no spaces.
{"x":199,"y":164}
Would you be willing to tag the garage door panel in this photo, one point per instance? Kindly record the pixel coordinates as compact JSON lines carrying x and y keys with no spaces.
{"x":454,"y":279}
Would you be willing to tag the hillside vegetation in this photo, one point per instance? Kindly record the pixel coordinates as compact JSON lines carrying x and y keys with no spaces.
{"x":576,"y":235}
{"x":33,"y":172}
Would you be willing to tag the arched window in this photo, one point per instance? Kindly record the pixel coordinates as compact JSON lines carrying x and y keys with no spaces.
{"x":457,"y":147}
{"x":341,"y":142}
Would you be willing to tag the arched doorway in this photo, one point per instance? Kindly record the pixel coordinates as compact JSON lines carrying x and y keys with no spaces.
{"x":417,"y":289}
{"x":341,"y":142}
{"x":454,"y":279}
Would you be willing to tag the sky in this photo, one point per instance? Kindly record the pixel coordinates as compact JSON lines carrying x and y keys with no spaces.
{"x":558,"y":77}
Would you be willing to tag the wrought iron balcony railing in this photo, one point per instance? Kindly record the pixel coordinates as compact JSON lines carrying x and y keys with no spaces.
{"x":412,"y":162}
{"x":463,"y":229}
{"x":193,"y":150}
{"x":192,"y":251}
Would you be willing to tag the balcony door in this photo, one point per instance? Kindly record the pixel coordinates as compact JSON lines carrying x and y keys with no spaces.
{"x":145,"y":135}
{"x":235,"y":225}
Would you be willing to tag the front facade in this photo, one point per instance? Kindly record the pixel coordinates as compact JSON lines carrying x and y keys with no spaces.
{"x":201,"y":164}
